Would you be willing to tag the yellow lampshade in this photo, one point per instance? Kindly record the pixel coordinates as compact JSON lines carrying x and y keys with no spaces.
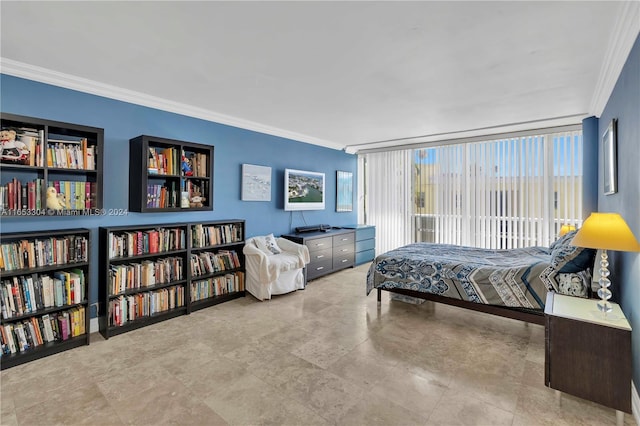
{"x":606,"y":231}
{"x":565,"y":229}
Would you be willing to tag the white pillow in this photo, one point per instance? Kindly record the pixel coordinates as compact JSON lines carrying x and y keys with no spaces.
{"x":267,"y":244}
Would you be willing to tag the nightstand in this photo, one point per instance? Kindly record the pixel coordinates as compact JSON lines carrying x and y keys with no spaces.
{"x":587,"y":354}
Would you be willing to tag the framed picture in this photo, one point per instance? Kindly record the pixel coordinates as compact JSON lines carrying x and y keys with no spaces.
{"x":609,"y":156}
{"x":303,"y":190}
{"x":344,"y":191}
{"x":256,"y":183}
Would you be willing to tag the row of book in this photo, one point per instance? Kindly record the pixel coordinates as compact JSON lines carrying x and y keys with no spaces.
{"x":206,"y":236}
{"x":129,"y":308}
{"x":216,"y":286}
{"x":71,"y":154}
{"x":36,"y":331}
{"x":197,"y":163}
{"x":77,"y":195}
{"x":145,"y":274}
{"x":21,"y":295}
{"x":136,"y":243}
{"x":41,"y":252}
{"x":163,"y":161}
{"x":16,"y":194}
{"x":209,"y":263}
{"x":161,"y":197}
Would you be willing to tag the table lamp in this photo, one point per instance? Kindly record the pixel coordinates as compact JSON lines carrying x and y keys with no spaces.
{"x":565,"y":229}
{"x":605,"y":231}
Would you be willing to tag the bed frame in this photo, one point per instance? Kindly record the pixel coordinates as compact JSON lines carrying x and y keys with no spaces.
{"x":521,"y":314}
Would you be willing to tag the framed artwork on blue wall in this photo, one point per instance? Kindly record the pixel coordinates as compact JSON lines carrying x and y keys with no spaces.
{"x":256,"y":183}
{"x":609,"y":158}
{"x":344,"y":191}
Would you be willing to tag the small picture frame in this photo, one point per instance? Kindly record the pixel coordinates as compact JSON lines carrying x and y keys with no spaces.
{"x":344,"y":191}
{"x":256,"y":183}
{"x":609,"y":158}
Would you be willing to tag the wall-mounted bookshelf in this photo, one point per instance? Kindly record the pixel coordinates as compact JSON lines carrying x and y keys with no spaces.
{"x":167,"y":175}
{"x":39,"y":154}
{"x":44,"y":293}
{"x":151,"y":273}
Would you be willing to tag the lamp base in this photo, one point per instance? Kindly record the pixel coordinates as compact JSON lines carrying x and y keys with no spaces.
{"x":603,"y":292}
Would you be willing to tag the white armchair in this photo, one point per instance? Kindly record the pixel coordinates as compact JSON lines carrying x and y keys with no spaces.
{"x":274,"y":266}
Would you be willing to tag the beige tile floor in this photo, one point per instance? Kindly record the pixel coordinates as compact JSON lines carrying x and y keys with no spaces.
{"x":325,"y":355}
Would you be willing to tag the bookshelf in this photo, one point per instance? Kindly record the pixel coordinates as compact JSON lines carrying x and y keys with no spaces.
{"x":167,"y":175}
{"x":147,"y":272}
{"x":39,"y":154}
{"x":216,"y":263}
{"x":44,"y":293}
{"x":143,"y":279}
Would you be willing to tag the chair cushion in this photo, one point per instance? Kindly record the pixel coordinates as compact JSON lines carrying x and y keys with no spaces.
{"x":284,"y":261}
{"x":267,"y":245}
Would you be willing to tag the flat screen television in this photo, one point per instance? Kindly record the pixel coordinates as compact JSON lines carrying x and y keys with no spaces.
{"x":304,"y":190}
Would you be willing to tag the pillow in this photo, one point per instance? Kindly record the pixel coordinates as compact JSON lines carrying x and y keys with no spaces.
{"x":569,"y":258}
{"x":267,"y":244}
{"x":573,"y":285}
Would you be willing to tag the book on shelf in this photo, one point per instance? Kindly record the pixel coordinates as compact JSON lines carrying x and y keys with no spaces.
{"x":70,"y":154}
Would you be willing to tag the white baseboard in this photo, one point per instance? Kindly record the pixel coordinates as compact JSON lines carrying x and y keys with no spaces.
{"x":635,"y":403}
{"x":94,"y":325}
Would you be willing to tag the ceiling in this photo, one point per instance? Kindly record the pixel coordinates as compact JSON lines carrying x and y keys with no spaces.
{"x":339,"y":74}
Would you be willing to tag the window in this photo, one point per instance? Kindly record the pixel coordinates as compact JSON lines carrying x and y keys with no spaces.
{"x":509,"y":192}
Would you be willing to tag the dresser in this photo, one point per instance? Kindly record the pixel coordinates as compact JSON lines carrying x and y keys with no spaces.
{"x":329,"y":251}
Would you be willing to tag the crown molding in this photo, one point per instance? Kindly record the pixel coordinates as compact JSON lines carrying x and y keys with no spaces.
{"x":626,"y":29}
{"x":44,"y":75}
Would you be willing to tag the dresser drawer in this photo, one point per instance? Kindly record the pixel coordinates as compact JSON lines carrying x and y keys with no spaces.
{"x":316,"y":269}
{"x":343,"y":239}
{"x":320,"y":255}
{"x":316,"y":244}
{"x":343,"y":260}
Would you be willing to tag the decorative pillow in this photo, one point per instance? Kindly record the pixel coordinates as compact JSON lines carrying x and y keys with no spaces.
{"x":267,"y":244}
{"x":572,"y":285}
{"x":569,"y":258}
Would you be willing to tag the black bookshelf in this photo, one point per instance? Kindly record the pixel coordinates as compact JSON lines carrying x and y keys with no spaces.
{"x":126,"y":305}
{"x":28,"y":271}
{"x":168,"y":175}
{"x":195,"y":239}
{"x":215,"y":238}
{"x":66,"y":156}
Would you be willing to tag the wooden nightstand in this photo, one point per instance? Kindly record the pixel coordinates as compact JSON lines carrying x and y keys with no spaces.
{"x":587,"y":354}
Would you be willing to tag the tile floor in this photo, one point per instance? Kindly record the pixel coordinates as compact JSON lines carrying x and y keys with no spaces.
{"x":325,"y":355}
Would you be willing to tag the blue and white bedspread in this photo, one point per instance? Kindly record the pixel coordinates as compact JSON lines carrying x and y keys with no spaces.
{"x":517,"y":277}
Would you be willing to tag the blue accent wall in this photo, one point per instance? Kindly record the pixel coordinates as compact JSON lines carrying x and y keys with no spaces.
{"x":624,"y":104}
{"x":590,"y":166}
{"x":122,"y":121}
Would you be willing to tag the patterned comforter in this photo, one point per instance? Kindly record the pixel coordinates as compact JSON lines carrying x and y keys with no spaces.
{"x":517,"y":277}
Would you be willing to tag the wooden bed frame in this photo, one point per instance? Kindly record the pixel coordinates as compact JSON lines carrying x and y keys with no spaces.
{"x":521,"y":314}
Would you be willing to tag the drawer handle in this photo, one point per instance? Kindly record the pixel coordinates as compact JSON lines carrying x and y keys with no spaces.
{"x":320,"y":256}
{"x":344,"y":260}
{"x":345,"y":239}
{"x":319,"y":244}
{"x":343,"y":250}
{"x":319,"y":268}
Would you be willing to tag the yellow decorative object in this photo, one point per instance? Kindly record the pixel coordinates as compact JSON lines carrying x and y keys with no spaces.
{"x":606,"y":231}
{"x":55,"y":201}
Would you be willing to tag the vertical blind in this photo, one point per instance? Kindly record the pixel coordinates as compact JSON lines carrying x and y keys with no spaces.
{"x":387,"y":202}
{"x":503,"y":193}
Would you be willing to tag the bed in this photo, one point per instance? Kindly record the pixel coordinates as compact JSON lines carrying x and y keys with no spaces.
{"x":510,"y":283}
